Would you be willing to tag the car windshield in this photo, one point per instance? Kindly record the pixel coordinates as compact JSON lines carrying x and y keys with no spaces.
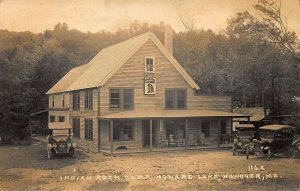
{"x":266,"y":133}
{"x":247,"y":132}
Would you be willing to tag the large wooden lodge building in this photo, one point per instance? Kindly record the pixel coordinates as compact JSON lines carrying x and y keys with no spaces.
{"x":134,"y":95}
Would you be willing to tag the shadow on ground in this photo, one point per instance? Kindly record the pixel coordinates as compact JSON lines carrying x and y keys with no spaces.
{"x":34,"y":156}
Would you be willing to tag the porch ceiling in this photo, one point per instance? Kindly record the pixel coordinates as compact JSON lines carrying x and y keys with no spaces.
{"x":134,"y":114}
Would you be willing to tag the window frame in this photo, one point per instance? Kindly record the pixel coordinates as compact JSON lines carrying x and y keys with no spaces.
{"x":223,"y":127}
{"x":53,"y":101}
{"x":76,"y":129}
{"x":88,"y":99}
{"x":175,"y":98}
{"x":88,"y":129}
{"x":61,"y":119}
{"x":76,"y":100}
{"x":121,"y":98}
{"x":63,"y":100}
{"x":121,"y":128}
{"x":153,"y":62}
{"x":52,"y":119}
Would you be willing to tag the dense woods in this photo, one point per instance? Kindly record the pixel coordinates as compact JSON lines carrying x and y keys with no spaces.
{"x":256,"y":61}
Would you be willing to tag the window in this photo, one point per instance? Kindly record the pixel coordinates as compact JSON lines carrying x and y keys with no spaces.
{"x":52,"y":101}
{"x":76,"y":100}
{"x":149,"y":64}
{"x":61,"y":118}
{"x":114,"y":98}
{"x":63,"y":100}
{"x":175,"y":98}
{"x":128,"y":98}
{"x":223,"y":127}
{"x":76,"y":127}
{"x":121,"y":98}
{"x":52,"y":118}
{"x":205,"y":129}
{"x":123,"y":130}
{"x":88,"y":129}
{"x":88,"y":102}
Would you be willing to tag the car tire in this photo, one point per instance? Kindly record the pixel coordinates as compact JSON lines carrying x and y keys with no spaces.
{"x":291,"y":152}
{"x":73,"y":153}
{"x":268,"y":155}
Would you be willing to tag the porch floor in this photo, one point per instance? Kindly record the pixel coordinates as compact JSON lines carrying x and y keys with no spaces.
{"x":165,"y":149}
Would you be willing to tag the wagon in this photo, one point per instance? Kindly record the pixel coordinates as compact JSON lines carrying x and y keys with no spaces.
{"x":274,"y":139}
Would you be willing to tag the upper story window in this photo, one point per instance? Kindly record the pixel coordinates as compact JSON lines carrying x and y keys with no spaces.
{"x":150,"y":64}
{"x":175,"y":98}
{"x":121,"y":98}
{"x":52,"y":118}
{"x":52,"y":101}
{"x":76,"y":100}
{"x":63,"y":100}
{"x":61,"y":118}
{"x":88,"y":101}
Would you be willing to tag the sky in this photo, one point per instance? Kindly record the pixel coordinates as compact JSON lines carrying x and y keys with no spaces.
{"x":111,"y":15}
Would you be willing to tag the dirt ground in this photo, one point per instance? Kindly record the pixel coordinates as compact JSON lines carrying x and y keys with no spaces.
{"x":27,"y":168}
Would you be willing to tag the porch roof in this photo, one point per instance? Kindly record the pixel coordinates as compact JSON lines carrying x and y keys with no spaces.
{"x":138,"y":114}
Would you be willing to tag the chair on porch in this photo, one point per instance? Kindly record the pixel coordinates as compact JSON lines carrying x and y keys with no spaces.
{"x":163,"y":140}
{"x":192,"y":140}
{"x":171,"y":141}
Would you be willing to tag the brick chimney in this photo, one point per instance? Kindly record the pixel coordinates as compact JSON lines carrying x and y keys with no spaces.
{"x":168,"y":39}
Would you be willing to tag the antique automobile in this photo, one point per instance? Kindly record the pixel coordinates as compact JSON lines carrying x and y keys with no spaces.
{"x":60,"y":142}
{"x":275,"y":139}
{"x":295,"y":149}
{"x":243,"y":137}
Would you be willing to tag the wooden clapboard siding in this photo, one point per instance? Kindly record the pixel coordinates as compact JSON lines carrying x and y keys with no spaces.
{"x":58,"y":100}
{"x":132,"y":74}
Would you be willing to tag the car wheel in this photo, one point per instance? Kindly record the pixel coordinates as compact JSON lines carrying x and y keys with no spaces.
{"x":73,"y":153}
{"x":291,"y":152}
{"x":268,"y":155}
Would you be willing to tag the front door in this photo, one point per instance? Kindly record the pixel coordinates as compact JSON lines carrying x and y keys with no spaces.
{"x":146,"y":132}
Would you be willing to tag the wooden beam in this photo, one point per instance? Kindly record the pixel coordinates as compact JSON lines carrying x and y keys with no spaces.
{"x":111,"y":126}
{"x":186,"y":133}
{"x":151,"y":126}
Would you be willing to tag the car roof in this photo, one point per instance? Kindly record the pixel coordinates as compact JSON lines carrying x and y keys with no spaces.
{"x":276,"y":127}
{"x":244,"y":126}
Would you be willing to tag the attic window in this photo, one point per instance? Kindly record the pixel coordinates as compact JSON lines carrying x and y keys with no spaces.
{"x":150,"y":64}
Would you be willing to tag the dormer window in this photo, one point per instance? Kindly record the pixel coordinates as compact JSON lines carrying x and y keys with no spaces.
{"x":149,"y":64}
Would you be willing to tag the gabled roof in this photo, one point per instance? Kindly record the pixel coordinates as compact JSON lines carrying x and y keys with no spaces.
{"x":108,"y":61}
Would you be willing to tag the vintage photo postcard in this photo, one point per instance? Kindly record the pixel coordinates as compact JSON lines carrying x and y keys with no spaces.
{"x":149,"y":95}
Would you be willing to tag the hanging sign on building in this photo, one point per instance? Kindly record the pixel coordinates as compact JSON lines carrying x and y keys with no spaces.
{"x":150,"y":86}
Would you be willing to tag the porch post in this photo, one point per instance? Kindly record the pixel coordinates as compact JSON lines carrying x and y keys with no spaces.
{"x":151,"y":126}
{"x":111,"y":125}
{"x":219,"y":127}
{"x":186,"y":133}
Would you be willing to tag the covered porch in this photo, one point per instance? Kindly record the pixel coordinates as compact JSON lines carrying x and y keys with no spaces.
{"x":166,"y":130}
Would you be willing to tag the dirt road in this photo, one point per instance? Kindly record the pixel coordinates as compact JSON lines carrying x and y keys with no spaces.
{"x":27,"y":168}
